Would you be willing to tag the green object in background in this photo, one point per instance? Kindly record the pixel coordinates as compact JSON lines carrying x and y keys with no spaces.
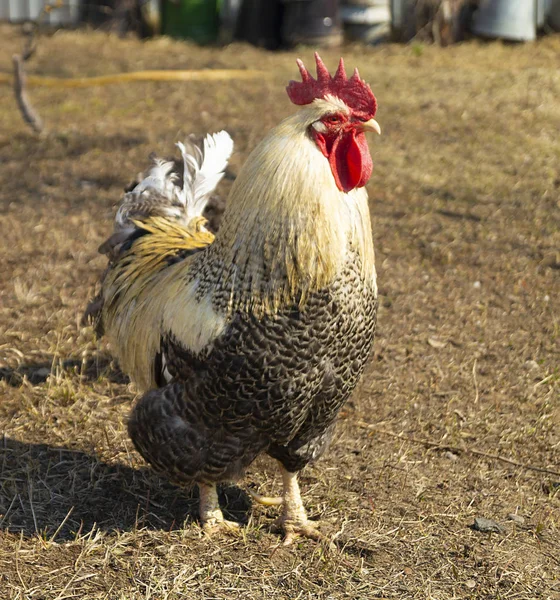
{"x":193,"y":19}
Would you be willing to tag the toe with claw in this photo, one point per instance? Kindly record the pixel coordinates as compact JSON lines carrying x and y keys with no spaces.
{"x":293,"y":529}
{"x":212,"y":526}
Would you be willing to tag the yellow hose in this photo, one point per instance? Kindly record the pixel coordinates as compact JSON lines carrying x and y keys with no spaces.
{"x":74,"y":82}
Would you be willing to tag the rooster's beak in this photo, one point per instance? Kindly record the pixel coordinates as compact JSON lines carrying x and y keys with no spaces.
{"x":372,"y":125}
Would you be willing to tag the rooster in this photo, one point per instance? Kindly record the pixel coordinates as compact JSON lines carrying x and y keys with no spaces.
{"x":250,"y":340}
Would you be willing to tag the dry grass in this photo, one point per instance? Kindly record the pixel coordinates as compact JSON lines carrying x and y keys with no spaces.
{"x":467,"y":228}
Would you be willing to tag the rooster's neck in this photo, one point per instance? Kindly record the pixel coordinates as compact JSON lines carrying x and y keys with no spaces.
{"x":288,"y":229}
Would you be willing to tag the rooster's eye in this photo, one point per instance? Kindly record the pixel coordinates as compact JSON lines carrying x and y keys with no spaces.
{"x":333,"y":119}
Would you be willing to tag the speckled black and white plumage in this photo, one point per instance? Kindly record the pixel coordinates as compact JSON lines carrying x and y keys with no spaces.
{"x":272,"y":383}
{"x":251,"y":340}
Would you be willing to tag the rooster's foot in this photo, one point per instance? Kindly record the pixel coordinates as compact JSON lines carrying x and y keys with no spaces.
{"x":213,"y":525}
{"x":294,"y":522}
{"x":211,"y":515}
{"x":292,"y":529}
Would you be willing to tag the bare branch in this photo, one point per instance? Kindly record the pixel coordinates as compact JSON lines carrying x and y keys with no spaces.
{"x":28,"y":113}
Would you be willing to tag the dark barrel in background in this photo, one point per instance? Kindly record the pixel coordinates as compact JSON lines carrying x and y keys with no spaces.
{"x":311,"y":22}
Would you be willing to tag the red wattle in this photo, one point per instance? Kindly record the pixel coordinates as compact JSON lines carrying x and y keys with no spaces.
{"x":367,"y":163}
{"x":350,"y":160}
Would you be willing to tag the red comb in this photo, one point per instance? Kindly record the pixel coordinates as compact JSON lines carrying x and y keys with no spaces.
{"x":354,"y":92}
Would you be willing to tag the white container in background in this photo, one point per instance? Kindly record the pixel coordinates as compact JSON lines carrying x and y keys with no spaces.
{"x":369,"y":22}
{"x":17,"y":11}
{"x":509,"y":20}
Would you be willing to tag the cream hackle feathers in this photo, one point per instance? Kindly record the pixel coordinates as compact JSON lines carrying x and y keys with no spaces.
{"x":285,"y":211}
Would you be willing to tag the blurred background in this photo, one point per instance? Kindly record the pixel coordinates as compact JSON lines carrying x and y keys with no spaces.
{"x":277,"y":24}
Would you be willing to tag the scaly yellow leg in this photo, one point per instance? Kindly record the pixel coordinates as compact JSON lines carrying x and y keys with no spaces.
{"x":293,"y":520}
{"x":211,"y":515}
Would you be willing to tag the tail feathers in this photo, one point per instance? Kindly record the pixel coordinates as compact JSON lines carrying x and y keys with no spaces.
{"x":179,"y":197}
{"x":161,"y":179}
{"x":203,"y":169}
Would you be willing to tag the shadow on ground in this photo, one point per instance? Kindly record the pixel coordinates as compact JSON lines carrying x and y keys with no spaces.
{"x":100,"y":365}
{"x":63,"y":493}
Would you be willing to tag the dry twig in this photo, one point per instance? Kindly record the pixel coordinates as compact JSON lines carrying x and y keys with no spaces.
{"x":29,"y":114}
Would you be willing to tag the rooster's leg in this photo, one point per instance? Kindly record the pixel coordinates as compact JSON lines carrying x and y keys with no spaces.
{"x":211,"y":515}
{"x":293,"y":520}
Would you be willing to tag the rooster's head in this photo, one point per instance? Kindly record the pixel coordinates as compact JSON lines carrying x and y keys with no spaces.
{"x":341,"y":111}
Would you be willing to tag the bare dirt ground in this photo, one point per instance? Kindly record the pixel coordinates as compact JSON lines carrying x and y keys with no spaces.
{"x":466,"y":214}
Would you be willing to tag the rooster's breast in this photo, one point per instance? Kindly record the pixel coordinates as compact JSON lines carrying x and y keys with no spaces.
{"x":283,"y":377}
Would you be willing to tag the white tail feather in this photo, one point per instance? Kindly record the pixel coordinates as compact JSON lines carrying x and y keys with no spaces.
{"x":203,"y":170}
{"x":160,"y":179}
{"x":158,"y":192}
